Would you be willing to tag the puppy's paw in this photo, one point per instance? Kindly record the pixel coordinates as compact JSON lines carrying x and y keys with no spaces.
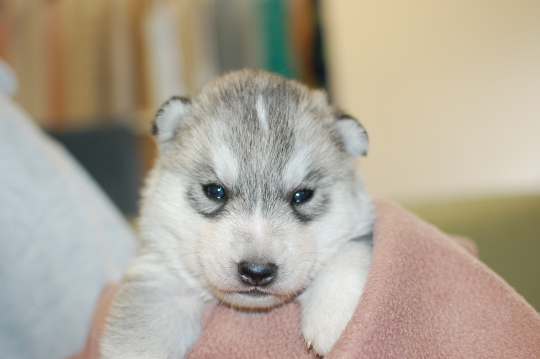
{"x":322,"y":328}
{"x":329,"y":302}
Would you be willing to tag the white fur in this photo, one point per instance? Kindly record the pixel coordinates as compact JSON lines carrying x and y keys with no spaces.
{"x":225,"y":164}
{"x":297,"y":168}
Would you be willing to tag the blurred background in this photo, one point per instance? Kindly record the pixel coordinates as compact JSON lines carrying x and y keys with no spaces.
{"x":449,"y":92}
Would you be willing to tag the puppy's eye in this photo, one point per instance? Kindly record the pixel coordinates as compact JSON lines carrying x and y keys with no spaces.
{"x":215,"y":192}
{"x":302,"y":196}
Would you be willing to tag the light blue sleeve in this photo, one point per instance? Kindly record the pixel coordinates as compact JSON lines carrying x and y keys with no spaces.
{"x":61,"y":240}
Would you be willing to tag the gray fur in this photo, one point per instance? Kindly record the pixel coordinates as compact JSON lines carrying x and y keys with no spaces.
{"x":262,"y":138}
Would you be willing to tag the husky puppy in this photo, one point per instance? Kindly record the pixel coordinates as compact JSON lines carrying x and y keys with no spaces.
{"x":255,"y":200}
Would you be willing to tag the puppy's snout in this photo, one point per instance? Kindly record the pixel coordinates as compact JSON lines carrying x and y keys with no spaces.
{"x":257,"y":274}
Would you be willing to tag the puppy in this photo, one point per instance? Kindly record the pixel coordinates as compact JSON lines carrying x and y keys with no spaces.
{"x":255,"y":200}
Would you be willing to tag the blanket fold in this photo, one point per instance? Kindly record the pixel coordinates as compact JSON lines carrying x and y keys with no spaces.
{"x":426,"y":296}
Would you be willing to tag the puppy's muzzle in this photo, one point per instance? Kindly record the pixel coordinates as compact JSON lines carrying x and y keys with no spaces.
{"x":257,"y":274}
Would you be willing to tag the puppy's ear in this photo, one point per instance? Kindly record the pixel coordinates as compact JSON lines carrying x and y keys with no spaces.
{"x":169,"y":118}
{"x":352,"y":135}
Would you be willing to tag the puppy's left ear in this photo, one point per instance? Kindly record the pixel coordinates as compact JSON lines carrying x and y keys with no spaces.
{"x":352,"y":135}
{"x":170,"y":117}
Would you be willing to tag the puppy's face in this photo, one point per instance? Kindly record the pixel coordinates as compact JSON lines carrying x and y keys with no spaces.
{"x":256,"y":186}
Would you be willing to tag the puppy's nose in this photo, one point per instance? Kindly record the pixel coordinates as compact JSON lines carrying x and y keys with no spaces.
{"x":257,"y":273}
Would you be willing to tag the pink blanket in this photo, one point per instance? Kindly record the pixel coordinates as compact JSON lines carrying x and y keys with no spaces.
{"x":426,"y":297}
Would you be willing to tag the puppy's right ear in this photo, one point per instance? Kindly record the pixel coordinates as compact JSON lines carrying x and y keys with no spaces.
{"x":169,"y":118}
{"x":352,"y":135}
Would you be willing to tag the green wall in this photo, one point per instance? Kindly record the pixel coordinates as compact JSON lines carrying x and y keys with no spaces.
{"x":506,"y":231}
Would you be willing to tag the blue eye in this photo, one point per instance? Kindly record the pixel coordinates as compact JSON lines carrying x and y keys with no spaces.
{"x":215,"y":192}
{"x":302,"y":196}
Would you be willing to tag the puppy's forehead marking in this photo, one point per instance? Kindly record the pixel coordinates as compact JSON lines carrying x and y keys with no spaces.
{"x":261,"y":113}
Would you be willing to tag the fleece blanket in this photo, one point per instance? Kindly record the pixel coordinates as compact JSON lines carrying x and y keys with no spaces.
{"x":427,"y":296}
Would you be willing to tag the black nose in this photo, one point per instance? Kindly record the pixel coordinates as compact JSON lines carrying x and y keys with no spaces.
{"x":256,"y":273}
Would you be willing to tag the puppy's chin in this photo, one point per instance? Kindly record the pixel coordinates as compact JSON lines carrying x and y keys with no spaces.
{"x":253,"y":300}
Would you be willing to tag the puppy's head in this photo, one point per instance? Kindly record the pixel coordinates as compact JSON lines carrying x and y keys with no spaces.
{"x":255,"y":186}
